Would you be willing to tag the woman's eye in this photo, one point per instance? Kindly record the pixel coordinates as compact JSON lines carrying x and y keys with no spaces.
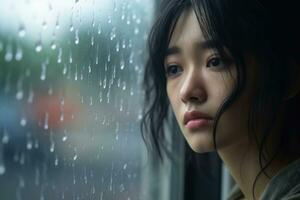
{"x":216,"y":62}
{"x":173,"y":70}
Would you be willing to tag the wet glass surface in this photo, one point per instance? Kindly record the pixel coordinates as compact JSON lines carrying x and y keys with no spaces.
{"x":70,"y":98}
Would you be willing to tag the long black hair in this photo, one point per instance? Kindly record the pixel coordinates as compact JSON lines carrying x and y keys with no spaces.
{"x":261,"y":28}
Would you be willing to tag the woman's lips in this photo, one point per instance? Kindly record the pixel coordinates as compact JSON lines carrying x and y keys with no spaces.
{"x":197,"y":123}
{"x":196,"y":119}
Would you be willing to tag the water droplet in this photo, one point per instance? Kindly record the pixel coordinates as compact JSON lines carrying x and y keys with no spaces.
{"x":23,"y":121}
{"x":19,"y":54}
{"x":44,"y":24}
{"x":76,"y":1}
{"x":52,"y":147}
{"x":71,"y":28}
{"x":8,"y":54}
{"x":19,"y":95}
{"x":5,"y":137}
{"x":92,"y":40}
{"x":38,"y":46}
{"x":113,"y":34}
{"x":64,"y":69}
{"x":30,"y":96}
{"x":57,"y":23}
{"x":70,"y":58}
{"x":46,"y":126}
{"x":61,"y":116}
{"x":117,"y":47}
{"x":22,"y":31}
{"x":99,"y":29}
{"x":76,"y":74}
{"x":2,"y":169}
{"x":29,"y":144}
{"x":76,"y":37}
{"x":122,"y":188}
{"x":75,"y":157}
{"x":136,"y":30}
{"x":43,"y":72}
{"x":56,"y":161}
{"x":21,"y":182}
{"x":125,"y":166}
{"x":59,"y":55}
{"x":53,"y":45}
{"x":122,"y":64}
{"x":91,"y":101}
{"x":64,"y":138}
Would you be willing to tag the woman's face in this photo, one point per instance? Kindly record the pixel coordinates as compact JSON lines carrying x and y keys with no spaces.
{"x":198,"y":81}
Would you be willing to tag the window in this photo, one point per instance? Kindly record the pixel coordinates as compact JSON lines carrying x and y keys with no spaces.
{"x":70,"y":98}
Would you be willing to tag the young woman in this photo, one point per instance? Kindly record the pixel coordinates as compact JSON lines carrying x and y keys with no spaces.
{"x":229,"y":71}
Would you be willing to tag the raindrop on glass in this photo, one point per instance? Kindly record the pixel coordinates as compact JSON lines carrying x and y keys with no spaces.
{"x":19,"y":54}
{"x":22,"y":31}
{"x":2,"y":169}
{"x":52,"y":146}
{"x":38,"y":46}
{"x":46,"y":126}
{"x":136,"y":30}
{"x":8,"y":54}
{"x":92,"y":40}
{"x":44,"y":24}
{"x":70,"y":58}
{"x":29,"y":144}
{"x":23,"y":121}
{"x":125,"y":166}
{"x":122,"y":188}
{"x":30,"y":96}
{"x":71,"y":28}
{"x":56,"y":161}
{"x":57,"y":23}
{"x":75,"y":157}
{"x":76,"y":74}
{"x":43,"y":72}
{"x":76,"y":37}
{"x":64,"y":69}
{"x":19,"y":95}
{"x":99,"y":29}
{"x":59,"y":55}
{"x":53,"y":45}
{"x":117,"y":47}
{"x":5,"y":137}
{"x":122,"y":64}
{"x":64,"y":138}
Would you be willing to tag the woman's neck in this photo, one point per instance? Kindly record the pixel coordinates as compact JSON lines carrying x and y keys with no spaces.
{"x":242,"y":161}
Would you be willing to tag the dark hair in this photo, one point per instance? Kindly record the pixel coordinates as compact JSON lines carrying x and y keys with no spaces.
{"x":261,"y":28}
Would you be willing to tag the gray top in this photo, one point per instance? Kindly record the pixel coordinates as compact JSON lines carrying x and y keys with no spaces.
{"x":285,"y":185}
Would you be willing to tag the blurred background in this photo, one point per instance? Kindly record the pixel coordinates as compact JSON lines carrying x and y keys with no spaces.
{"x":70,"y":98}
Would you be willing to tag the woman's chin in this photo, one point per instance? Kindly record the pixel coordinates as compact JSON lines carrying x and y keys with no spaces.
{"x":201,"y":143}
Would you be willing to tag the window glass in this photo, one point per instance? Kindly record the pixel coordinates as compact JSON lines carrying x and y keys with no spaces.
{"x":70,"y":98}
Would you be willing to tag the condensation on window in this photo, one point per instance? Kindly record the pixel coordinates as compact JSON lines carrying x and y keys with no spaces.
{"x":70,"y":98}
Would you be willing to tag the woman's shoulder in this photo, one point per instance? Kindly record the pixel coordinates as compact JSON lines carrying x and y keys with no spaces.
{"x":285,"y":185}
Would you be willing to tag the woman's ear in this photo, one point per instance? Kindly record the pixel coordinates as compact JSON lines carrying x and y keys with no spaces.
{"x":293,"y":87}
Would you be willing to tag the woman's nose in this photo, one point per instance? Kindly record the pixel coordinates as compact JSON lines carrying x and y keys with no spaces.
{"x":192,"y":89}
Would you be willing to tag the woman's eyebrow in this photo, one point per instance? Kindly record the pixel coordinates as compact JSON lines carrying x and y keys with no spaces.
{"x":207,"y":44}
{"x":172,"y":51}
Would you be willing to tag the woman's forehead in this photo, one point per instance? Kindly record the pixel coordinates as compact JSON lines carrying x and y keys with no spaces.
{"x":187,"y":30}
